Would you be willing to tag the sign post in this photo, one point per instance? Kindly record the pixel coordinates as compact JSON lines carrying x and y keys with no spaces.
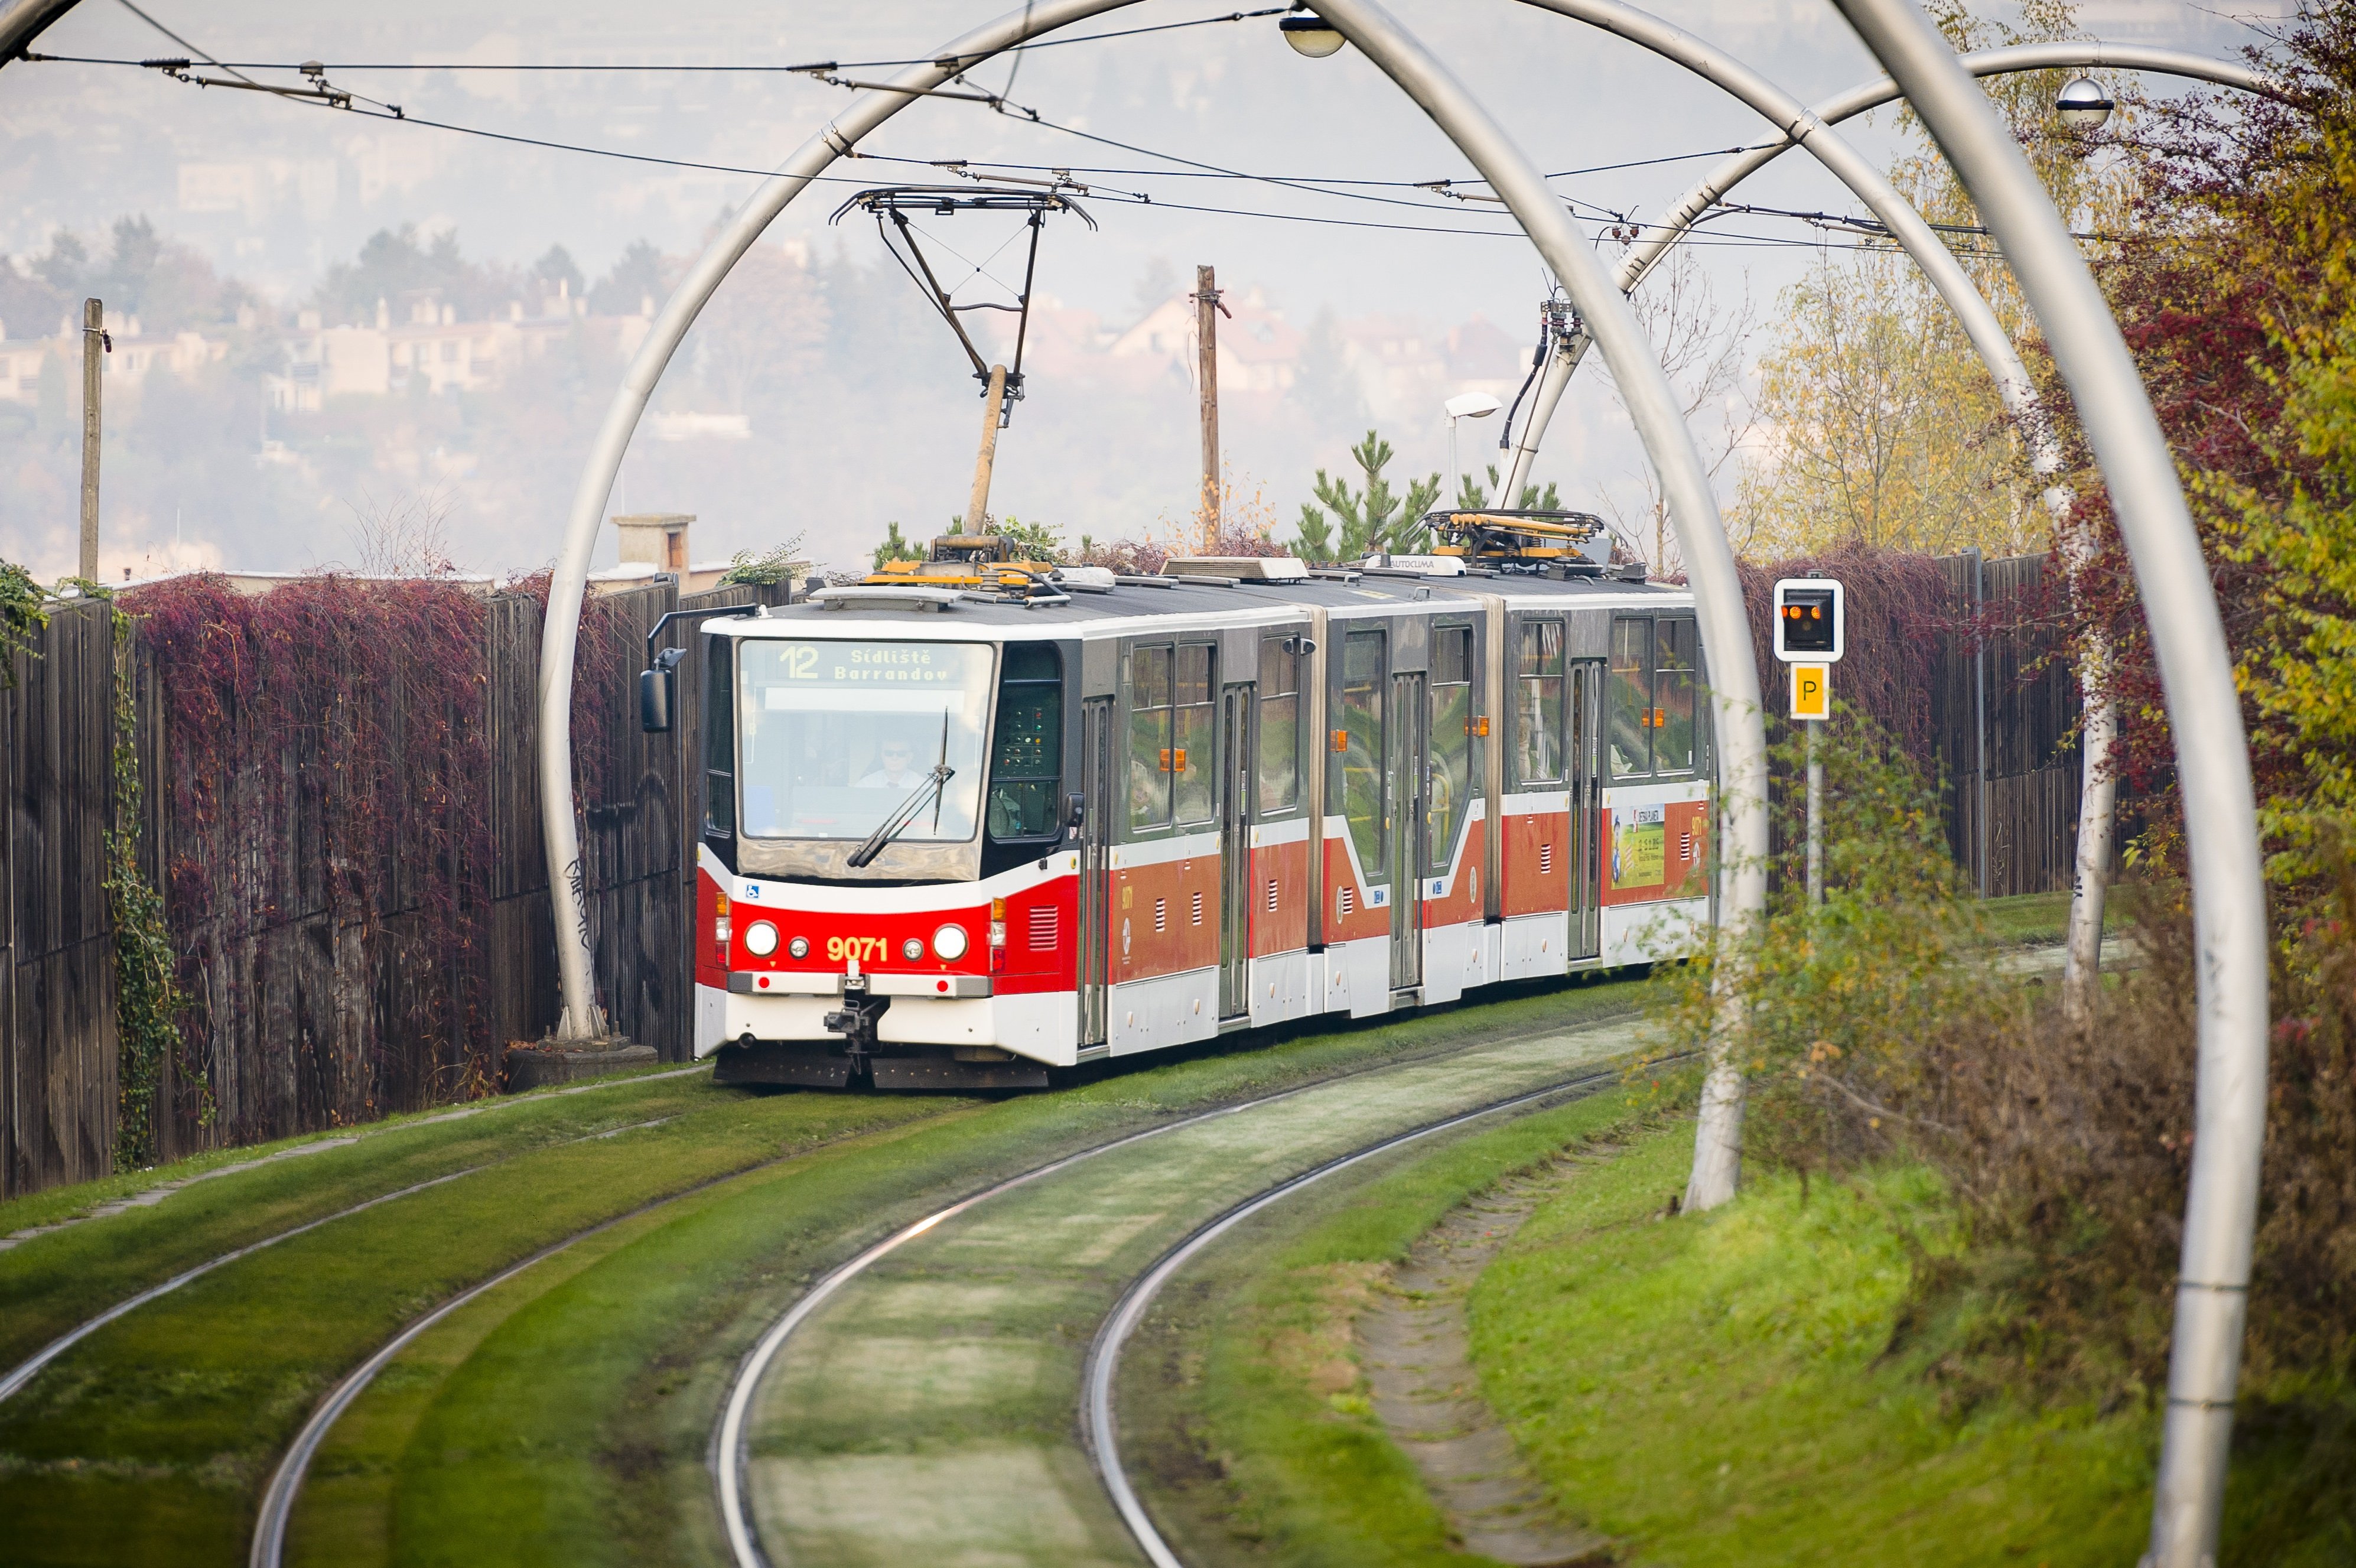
{"x":1810,"y":637}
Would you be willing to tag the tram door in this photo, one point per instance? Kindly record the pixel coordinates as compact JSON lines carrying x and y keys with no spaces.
{"x":1406,"y":785}
{"x":1586,"y":803}
{"x":1096,"y":830}
{"x":1234,"y":851}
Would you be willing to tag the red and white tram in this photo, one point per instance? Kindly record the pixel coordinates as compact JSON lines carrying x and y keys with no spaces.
{"x":971,"y":820}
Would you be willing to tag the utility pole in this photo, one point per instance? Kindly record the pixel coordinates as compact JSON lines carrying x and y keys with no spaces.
{"x":977,"y":506}
{"x":94,"y":342}
{"x":1207,"y":311}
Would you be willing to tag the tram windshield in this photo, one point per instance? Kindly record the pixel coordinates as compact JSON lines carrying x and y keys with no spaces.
{"x":838,"y":734}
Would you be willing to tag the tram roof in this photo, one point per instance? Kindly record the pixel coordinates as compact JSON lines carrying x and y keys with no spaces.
{"x":1178,"y":604}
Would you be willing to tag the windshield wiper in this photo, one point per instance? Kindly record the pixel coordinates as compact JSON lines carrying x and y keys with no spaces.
{"x":897,"y":822}
{"x":930,"y":790}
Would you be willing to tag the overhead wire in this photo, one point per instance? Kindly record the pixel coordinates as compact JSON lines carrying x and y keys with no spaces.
{"x":1627,"y":228}
{"x":804,"y":68}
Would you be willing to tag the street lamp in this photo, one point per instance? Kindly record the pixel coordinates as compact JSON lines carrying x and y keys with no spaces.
{"x":1312,"y":36}
{"x":2084,"y":104}
{"x":1464,"y":405}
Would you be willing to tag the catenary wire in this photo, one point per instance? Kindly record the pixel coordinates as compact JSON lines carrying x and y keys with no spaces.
{"x":1306,"y":186}
{"x":806,"y":69}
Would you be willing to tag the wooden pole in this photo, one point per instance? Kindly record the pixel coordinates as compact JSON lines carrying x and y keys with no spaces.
{"x":977,"y":507}
{"x":93,"y":344}
{"x":1206,"y":317}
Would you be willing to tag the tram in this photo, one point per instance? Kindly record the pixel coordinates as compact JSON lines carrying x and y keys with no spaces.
{"x":972,"y":818}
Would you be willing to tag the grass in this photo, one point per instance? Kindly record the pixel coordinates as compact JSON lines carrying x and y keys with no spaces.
{"x":51,"y":1282}
{"x":572,"y":1102}
{"x":188,"y":1401}
{"x":2041,"y":920}
{"x":1709,"y":1391}
{"x":1722,"y":1391}
{"x":565,"y":1414}
{"x":615,"y":1370}
{"x":1241,"y":1399}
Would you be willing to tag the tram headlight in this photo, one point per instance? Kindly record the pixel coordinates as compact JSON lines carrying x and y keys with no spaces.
{"x":912,"y":950}
{"x":760,"y":939}
{"x":799,"y":947}
{"x":949,"y":943}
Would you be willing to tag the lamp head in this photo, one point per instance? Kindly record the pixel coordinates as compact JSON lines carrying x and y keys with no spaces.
{"x":1311,"y":35}
{"x":2084,"y":104}
{"x":1472,"y":405}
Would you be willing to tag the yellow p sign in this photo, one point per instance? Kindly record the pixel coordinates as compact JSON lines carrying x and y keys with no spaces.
{"x":1812,"y":691}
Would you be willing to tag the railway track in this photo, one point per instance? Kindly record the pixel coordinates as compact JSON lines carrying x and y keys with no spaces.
{"x":1439,"y":1060}
{"x":859,"y":1405}
{"x":1099,"y":1427}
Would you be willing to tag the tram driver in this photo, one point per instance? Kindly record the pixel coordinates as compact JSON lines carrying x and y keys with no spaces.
{"x":895,"y":768}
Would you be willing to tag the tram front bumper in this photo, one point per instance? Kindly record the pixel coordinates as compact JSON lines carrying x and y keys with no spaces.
{"x":1043,"y":1026}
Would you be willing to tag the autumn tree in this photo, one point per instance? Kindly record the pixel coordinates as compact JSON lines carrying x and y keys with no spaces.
{"x":1879,"y":423}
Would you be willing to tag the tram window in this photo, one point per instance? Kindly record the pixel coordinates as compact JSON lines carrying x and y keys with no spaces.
{"x":720,"y":738}
{"x":1359,"y":780}
{"x":1451,"y":737}
{"x":1632,"y":697}
{"x":1149,"y":736}
{"x":1538,"y":707}
{"x":1672,"y":696}
{"x":1027,"y":753}
{"x":1279,"y":727}
{"x":1190,"y":764}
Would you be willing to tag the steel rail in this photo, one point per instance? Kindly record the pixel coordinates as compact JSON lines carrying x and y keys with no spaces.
{"x":1723,"y":620}
{"x":24,"y":1371}
{"x":2213,"y":760}
{"x":1097,"y":1427}
{"x":730,"y":1453}
{"x":278,"y":1499}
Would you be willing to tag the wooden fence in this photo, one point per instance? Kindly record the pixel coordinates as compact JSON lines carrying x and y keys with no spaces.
{"x":2003,"y":718}
{"x":309,"y":1008}
{"x":58,"y":1046}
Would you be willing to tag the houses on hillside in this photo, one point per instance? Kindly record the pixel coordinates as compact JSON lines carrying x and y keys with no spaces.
{"x":136,"y":358}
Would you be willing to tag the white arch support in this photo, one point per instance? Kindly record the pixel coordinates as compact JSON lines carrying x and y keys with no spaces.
{"x":1725,"y":627}
{"x":1713,"y":188}
{"x":2213,"y":760}
{"x":2098,"y":789}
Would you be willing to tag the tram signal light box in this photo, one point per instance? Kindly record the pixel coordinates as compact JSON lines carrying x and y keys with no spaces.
{"x":1809,"y":621}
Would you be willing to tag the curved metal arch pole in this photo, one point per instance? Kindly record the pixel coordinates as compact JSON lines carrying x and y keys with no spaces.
{"x":560,"y":832}
{"x":1725,"y":627}
{"x":1803,"y":128}
{"x":2098,"y":789}
{"x":1906,"y":225}
{"x":1714,"y":186}
{"x":1693,"y":508}
{"x":2213,"y":760}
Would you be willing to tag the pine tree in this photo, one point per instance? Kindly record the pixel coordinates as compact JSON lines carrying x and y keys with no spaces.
{"x":1374,"y":518}
{"x":896,"y":548}
{"x":1471,"y":494}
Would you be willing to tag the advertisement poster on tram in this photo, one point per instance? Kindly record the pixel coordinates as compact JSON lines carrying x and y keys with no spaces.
{"x":1639,"y":848}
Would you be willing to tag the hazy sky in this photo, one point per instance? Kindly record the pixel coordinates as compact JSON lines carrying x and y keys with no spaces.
{"x":86,"y":144}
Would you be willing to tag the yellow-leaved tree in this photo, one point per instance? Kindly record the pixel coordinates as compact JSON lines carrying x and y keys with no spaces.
{"x":1878,"y":422}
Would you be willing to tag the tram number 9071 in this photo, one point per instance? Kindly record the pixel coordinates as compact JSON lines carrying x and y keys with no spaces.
{"x":863,"y":949}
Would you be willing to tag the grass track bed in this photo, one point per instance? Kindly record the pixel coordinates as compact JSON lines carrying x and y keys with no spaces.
{"x":195,"y":1393}
{"x":576,"y":1427}
{"x":1244,"y":1418}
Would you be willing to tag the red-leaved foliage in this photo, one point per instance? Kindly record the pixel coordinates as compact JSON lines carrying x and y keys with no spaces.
{"x":2228,"y":262}
{"x":324,"y":762}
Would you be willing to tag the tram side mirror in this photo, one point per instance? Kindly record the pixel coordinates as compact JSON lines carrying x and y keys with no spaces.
{"x":1075,"y":811}
{"x":656,"y":687}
